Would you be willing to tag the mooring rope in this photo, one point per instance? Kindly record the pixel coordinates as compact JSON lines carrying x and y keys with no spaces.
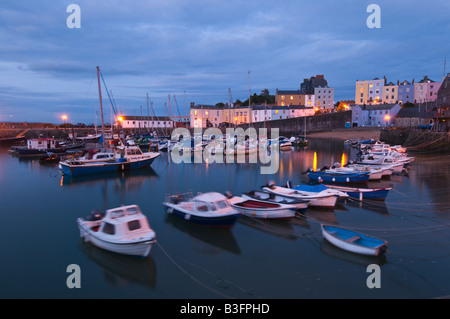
{"x":189,"y":275}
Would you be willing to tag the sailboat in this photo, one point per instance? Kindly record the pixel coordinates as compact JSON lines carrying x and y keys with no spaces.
{"x":124,"y":157}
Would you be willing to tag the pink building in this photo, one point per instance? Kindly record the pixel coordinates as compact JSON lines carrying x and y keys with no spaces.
{"x":426,"y":90}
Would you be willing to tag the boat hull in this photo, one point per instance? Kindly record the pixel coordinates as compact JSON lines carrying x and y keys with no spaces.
{"x":103,"y":167}
{"x":227,"y":220}
{"x":339,"y":178}
{"x":364,"y":193}
{"x":264,"y":209}
{"x":300,"y":205}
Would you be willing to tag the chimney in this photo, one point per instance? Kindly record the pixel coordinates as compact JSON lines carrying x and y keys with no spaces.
{"x":384,"y":77}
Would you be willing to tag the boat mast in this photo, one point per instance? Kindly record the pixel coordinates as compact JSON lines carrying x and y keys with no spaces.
{"x":101,"y":106}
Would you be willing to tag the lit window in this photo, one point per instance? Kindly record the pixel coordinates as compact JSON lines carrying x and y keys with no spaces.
{"x":292,"y":97}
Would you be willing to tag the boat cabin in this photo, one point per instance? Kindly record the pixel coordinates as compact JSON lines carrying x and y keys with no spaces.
{"x":42,"y":143}
{"x":125,"y":221}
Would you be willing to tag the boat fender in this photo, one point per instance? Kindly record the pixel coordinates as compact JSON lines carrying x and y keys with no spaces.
{"x":187,"y":216}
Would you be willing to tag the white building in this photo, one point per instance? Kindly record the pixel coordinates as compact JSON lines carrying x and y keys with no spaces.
{"x":206,"y":116}
{"x":324,"y":98}
{"x":261,"y":113}
{"x":145,"y":122}
{"x":380,"y":115}
{"x":310,"y":100}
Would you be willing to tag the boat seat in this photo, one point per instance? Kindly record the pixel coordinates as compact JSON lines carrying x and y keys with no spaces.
{"x":352,"y":239}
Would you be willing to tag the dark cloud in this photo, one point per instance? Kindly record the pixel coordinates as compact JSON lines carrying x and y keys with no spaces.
{"x":201,"y":48}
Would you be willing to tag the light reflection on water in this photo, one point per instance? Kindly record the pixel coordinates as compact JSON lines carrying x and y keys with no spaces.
{"x":256,"y":258}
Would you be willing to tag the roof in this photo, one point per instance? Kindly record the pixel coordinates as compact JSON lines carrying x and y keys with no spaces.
{"x":377,"y":107}
{"x":416,"y":111}
{"x":425,"y":80}
{"x":290,"y":92}
{"x":144,"y":118}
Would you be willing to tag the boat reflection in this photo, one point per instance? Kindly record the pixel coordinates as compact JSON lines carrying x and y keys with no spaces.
{"x":330,"y":250}
{"x":278,"y":227}
{"x":119,"y":268}
{"x":135,"y":177}
{"x":207,"y":240}
{"x":376,"y":206}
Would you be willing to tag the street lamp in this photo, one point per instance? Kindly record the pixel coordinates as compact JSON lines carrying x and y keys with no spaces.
{"x":64,"y":117}
{"x":387,"y":120}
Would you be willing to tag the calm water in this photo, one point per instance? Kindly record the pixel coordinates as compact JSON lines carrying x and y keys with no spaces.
{"x":255,"y":259}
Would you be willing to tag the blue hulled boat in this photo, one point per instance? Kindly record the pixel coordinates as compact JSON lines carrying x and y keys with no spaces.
{"x":339,"y":177}
{"x":126,"y":158}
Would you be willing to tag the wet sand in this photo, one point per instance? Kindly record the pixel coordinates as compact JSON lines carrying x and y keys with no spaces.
{"x":347,"y":134}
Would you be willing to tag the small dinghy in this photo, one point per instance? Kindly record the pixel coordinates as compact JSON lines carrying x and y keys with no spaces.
{"x":300,"y":205}
{"x":124,"y":230}
{"x":353,"y":242}
{"x":262,"y":209}
{"x":207,"y":209}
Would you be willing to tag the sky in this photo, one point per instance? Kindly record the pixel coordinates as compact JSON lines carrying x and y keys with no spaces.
{"x":200,"y":50}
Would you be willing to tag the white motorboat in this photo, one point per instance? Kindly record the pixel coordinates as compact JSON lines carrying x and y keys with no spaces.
{"x":207,"y":209}
{"x":124,"y":230}
{"x":392,"y":162}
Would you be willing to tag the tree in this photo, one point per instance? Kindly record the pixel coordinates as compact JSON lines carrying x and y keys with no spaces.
{"x":408,"y":104}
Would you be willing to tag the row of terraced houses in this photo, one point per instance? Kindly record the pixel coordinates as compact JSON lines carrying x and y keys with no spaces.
{"x":377,"y":103}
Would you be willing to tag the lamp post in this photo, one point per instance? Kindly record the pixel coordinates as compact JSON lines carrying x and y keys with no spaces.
{"x":64,"y":117}
{"x":387,"y":120}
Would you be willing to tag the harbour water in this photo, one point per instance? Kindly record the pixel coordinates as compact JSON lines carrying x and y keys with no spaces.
{"x":255,"y":259}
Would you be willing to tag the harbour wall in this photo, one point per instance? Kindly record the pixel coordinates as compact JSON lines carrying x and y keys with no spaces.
{"x":315,"y":123}
{"x":417,"y":140}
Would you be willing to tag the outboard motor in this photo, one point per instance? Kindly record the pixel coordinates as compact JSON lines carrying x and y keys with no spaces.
{"x":95,"y":215}
{"x":270,"y":184}
{"x":228,"y":194}
{"x":289,"y":184}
